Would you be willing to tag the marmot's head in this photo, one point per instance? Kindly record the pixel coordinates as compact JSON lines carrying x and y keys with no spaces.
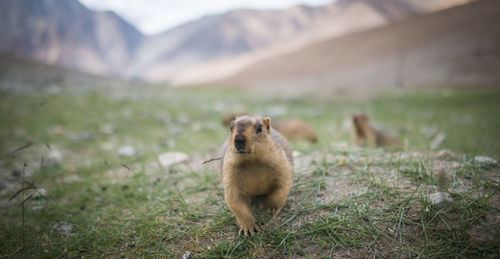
{"x":227,"y":120}
{"x":360,"y":121}
{"x":250,"y":134}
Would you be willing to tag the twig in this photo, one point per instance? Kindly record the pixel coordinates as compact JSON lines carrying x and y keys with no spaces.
{"x":210,"y":160}
{"x":26,"y":145}
{"x":124,"y":165}
{"x":31,"y":186}
{"x":22,"y":203}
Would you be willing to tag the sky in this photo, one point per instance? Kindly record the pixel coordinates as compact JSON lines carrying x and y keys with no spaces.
{"x":154,"y":16}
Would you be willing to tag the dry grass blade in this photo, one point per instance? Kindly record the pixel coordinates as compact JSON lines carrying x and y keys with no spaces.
{"x":211,"y":160}
{"x":26,"y":145}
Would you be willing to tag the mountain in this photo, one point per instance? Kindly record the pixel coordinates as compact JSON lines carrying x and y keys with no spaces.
{"x":218,"y":45}
{"x":244,"y":31}
{"x":457,"y":46}
{"x":68,"y":34}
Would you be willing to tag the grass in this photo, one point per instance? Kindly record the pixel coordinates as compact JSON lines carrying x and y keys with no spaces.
{"x":346,"y":201}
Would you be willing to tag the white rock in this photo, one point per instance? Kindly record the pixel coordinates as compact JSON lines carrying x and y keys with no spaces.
{"x":107,"y":128}
{"x":439,"y":197}
{"x":62,"y":228}
{"x":126,"y":151}
{"x":484,"y":160}
{"x":172,"y":158}
{"x":436,"y":142}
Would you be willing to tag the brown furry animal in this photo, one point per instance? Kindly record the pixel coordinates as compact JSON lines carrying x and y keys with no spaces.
{"x":296,"y":129}
{"x":364,"y":134}
{"x":256,"y":161}
{"x":293,"y":129}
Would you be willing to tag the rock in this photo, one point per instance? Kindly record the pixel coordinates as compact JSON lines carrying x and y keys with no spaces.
{"x":62,"y":228}
{"x":296,"y":154}
{"x":445,"y":153}
{"x":439,"y":197}
{"x":87,"y":136}
{"x":187,"y":255}
{"x":428,"y":131}
{"x":172,"y":158}
{"x":126,"y":151}
{"x":436,"y":142}
{"x":484,"y":160}
{"x":107,"y":128}
{"x":53,"y":157}
{"x":40,"y":192}
{"x":319,"y":201}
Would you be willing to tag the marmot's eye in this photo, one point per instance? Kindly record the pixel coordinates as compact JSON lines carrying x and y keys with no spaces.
{"x":259,"y":129}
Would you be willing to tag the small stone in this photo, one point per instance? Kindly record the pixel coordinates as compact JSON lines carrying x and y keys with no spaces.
{"x":445,"y":153}
{"x":484,"y":160}
{"x":107,"y":128}
{"x":62,"y":228}
{"x":126,"y":151}
{"x":436,"y":142}
{"x":87,"y":136}
{"x":319,"y":201}
{"x":3,"y":184}
{"x":172,"y":158}
{"x":187,"y":255}
{"x":439,"y":197}
{"x":40,"y":192}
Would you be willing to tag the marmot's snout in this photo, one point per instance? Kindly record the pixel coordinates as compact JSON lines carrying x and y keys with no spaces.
{"x":240,"y":143}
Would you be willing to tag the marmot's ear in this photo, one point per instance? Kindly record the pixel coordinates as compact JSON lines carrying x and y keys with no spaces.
{"x":231,"y":126}
{"x":267,"y":123}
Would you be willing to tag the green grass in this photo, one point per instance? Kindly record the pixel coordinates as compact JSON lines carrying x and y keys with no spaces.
{"x":346,"y":201}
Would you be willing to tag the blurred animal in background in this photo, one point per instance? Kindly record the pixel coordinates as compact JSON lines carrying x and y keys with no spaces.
{"x":293,"y":129}
{"x":363,"y":134}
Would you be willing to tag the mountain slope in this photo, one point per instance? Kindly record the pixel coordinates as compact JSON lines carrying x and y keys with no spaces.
{"x":67,"y":33}
{"x":455,"y":46}
{"x":170,"y":54}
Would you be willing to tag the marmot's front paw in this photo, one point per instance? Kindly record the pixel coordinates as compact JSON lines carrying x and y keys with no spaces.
{"x":273,"y":211}
{"x":248,"y":231}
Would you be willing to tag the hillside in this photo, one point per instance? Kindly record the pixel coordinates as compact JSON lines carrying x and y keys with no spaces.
{"x":451,"y":47}
{"x":66,"y":33}
{"x":69,"y":34}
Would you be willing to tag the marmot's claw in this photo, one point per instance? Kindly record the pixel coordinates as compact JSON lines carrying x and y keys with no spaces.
{"x":248,"y":232}
{"x":274,"y":211}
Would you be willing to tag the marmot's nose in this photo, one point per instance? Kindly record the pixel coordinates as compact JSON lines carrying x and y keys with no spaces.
{"x":239,"y":142}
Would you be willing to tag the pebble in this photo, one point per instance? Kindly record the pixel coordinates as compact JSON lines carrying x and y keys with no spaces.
{"x":439,"y":197}
{"x":484,"y":160}
{"x":187,"y":255}
{"x":172,"y":158}
{"x":62,"y":228}
{"x":126,"y":151}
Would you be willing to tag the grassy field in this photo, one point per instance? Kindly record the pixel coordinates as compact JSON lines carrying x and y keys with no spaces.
{"x":346,"y":201}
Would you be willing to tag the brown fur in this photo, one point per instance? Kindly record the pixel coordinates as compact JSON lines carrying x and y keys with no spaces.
{"x":293,"y":129}
{"x":296,"y":129}
{"x":365,"y":135}
{"x":263,"y":167}
{"x":231,"y":117}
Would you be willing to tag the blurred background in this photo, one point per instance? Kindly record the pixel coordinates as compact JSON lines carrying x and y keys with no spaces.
{"x":111,"y":106}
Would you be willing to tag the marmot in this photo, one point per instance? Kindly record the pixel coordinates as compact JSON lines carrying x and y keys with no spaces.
{"x":364,"y":134}
{"x":293,"y":129}
{"x":256,"y":161}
